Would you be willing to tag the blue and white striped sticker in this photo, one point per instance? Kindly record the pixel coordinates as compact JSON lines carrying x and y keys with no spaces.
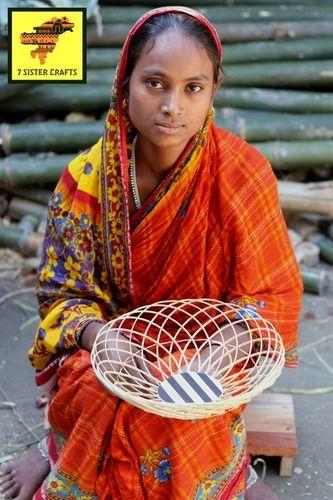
{"x":190,"y":387}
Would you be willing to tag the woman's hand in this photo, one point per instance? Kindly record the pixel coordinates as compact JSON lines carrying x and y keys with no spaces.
{"x":118,"y":354}
{"x":227,"y":348}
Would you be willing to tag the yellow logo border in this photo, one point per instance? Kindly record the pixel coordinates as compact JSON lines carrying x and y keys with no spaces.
{"x":83,"y":10}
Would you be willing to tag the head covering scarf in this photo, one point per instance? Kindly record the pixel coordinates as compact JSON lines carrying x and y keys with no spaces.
{"x":117,"y":140}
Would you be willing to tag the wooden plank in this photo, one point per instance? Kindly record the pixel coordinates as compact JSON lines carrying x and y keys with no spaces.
{"x":286,"y":466}
{"x":307,"y":197}
{"x":270,"y":425}
{"x":271,"y":444}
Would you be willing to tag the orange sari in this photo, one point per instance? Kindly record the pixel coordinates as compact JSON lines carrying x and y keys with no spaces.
{"x":213,"y":228}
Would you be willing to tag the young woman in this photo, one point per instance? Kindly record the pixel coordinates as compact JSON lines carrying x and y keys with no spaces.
{"x":165,"y":205}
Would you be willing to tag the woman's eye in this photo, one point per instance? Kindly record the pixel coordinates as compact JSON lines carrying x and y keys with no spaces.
{"x":194,"y":88}
{"x":154,"y":84}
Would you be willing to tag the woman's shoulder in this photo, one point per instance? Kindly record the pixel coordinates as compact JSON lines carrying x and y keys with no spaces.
{"x":78,"y":187}
{"x":86,"y":165}
{"x":238,"y":162}
{"x":234,"y":153}
{"x":82,"y":173}
{"x":240,"y":170}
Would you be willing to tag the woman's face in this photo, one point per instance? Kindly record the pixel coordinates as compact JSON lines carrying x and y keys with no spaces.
{"x":171,"y":89}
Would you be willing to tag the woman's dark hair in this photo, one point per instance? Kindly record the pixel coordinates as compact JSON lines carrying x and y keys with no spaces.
{"x":150,"y":30}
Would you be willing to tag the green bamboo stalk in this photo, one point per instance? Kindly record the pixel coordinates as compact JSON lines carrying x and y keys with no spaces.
{"x":225,"y":14}
{"x":325,"y":245}
{"x":53,"y":97}
{"x":102,"y":58}
{"x":29,"y":223}
{"x":300,"y":74}
{"x":290,"y":155}
{"x":19,"y":207}
{"x":114,"y":34}
{"x":314,"y":280}
{"x":39,"y":195}
{"x":55,"y":136}
{"x":23,"y":169}
{"x":13,"y":89}
{"x":295,"y":101}
{"x":281,"y":50}
{"x":246,"y":32}
{"x":252,"y":125}
{"x":27,"y":243}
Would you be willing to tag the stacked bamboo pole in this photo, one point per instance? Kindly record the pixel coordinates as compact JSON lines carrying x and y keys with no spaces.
{"x":277,"y":94}
{"x":56,"y":136}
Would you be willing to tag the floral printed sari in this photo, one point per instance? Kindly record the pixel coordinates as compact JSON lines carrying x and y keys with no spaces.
{"x":212,"y":228}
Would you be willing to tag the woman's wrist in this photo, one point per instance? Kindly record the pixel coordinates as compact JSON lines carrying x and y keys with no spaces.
{"x":89,"y":334}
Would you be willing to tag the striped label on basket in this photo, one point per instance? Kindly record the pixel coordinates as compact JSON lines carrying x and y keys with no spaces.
{"x":190,"y":387}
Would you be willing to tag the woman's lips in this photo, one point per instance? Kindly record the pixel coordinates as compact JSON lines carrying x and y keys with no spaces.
{"x":168,"y":129}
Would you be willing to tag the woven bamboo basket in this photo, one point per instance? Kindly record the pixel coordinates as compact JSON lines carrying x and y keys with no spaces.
{"x":188,"y":359}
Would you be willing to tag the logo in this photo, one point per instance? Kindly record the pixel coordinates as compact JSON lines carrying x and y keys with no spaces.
{"x":47,"y":45}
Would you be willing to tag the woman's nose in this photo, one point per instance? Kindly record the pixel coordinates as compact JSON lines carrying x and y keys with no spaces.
{"x":172,"y":105}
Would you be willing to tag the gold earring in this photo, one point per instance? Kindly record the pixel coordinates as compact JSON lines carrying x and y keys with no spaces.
{"x":125,"y":103}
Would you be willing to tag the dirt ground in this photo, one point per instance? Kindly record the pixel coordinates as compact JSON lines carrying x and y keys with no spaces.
{"x":22,"y":423}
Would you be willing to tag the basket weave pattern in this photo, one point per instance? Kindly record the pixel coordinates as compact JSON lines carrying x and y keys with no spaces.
{"x":140,"y":352}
